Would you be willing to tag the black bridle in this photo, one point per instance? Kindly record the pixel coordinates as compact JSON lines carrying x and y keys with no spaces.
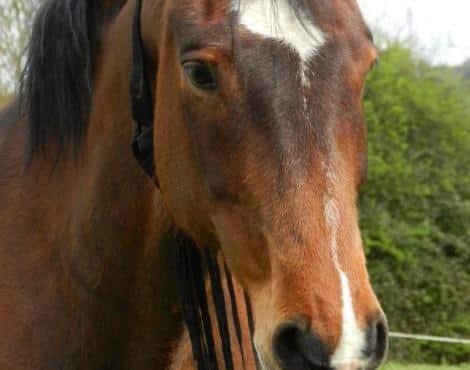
{"x":191,"y":266}
{"x":142,"y":102}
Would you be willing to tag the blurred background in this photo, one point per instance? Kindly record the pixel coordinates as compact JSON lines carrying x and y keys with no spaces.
{"x":415,"y":208}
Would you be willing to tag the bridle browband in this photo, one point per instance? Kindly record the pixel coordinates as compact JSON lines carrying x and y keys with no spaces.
{"x":191,"y":265}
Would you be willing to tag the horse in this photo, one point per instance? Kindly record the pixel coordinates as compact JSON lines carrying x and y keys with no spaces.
{"x":239,"y":214}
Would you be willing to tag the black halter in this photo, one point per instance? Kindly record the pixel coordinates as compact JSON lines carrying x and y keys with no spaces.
{"x":190,"y":265}
{"x":142,"y":103}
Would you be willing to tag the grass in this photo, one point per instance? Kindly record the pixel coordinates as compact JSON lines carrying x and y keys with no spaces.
{"x":396,"y":366}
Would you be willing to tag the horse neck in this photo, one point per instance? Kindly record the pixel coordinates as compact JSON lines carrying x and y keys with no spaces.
{"x":122,"y":238}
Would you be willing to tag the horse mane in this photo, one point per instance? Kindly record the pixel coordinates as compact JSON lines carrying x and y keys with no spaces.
{"x":56,"y":85}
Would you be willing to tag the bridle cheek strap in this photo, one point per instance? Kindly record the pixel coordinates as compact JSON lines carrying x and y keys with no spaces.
{"x":190,"y":275}
{"x":142,"y":103}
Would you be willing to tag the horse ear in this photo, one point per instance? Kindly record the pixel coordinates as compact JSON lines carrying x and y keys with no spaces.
{"x":56,"y":86}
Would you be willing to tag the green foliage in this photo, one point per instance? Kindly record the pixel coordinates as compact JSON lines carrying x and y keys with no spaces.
{"x":15,"y":26}
{"x":415,"y":209}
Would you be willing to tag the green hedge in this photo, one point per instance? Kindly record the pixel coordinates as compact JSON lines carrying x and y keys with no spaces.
{"x":415,"y":209}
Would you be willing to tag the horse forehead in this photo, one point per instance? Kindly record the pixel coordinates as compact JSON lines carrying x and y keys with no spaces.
{"x":280,"y":20}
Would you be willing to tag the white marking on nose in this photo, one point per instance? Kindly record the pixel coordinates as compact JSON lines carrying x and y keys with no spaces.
{"x":259,"y":356}
{"x":282,"y":23}
{"x":352,"y":341}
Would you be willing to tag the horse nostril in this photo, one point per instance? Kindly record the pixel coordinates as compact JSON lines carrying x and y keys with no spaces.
{"x":382,"y":339}
{"x":377,"y":341}
{"x":296,"y":347}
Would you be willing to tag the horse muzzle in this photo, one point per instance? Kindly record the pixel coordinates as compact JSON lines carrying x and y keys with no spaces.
{"x":296,"y":347}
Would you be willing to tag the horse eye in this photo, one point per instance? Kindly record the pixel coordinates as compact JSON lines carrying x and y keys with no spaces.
{"x":201,"y":74}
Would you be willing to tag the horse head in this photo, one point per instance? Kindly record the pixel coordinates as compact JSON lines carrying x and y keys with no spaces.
{"x":260,"y":149}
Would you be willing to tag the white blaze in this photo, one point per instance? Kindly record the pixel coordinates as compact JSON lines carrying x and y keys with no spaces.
{"x":352,"y":340}
{"x":305,"y":38}
{"x":282,"y":23}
